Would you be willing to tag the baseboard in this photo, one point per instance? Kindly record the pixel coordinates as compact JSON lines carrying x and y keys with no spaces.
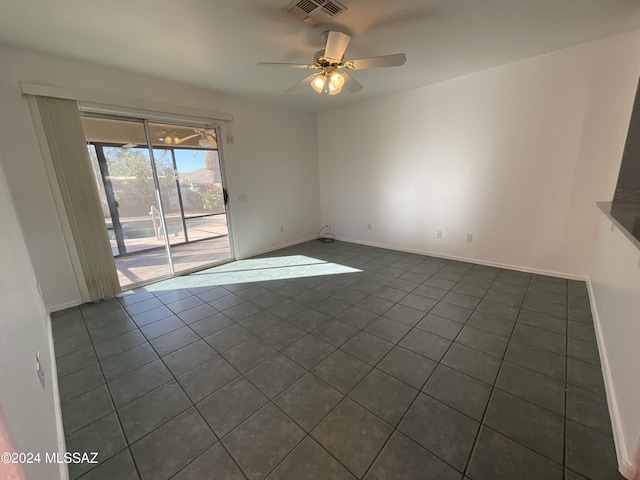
{"x":57,"y":308}
{"x":53,"y":377}
{"x":479,"y":261}
{"x":277,"y":247}
{"x":625,"y":463}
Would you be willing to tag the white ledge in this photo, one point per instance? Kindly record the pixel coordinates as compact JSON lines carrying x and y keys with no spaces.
{"x":605,"y":207}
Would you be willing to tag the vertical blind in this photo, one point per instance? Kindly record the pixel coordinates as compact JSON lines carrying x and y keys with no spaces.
{"x":65,"y":137}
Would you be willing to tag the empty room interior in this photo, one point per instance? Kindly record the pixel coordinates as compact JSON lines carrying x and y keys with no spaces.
{"x":320,"y":239}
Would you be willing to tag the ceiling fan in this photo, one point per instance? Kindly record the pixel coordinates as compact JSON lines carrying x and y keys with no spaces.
{"x":332,"y":77}
{"x":206,"y":140}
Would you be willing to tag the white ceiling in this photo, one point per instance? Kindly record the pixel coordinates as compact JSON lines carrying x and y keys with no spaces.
{"x":215,"y":43}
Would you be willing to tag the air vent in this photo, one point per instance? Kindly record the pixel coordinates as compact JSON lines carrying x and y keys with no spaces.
{"x":332,"y":8}
{"x":314,"y":12}
{"x":307,"y":6}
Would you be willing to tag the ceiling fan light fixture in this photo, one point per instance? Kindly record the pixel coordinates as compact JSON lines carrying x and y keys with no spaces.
{"x":204,"y":141}
{"x":318,"y":81}
{"x":334,"y":90}
{"x":336,"y":80}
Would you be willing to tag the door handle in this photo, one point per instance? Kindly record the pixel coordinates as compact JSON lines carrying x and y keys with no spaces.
{"x":225,"y":196}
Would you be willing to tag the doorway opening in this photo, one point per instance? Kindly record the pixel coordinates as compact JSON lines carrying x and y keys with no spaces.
{"x":163,"y":196}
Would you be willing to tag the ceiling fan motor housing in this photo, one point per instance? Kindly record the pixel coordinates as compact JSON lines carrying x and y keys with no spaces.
{"x":320,"y":61}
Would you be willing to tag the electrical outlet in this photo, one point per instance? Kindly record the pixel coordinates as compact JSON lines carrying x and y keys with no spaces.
{"x":281,"y":229}
{"x":439,"y":234}
{"x":469,"y":237}
{"x":40,"y":370}
{"x":368,"y":226}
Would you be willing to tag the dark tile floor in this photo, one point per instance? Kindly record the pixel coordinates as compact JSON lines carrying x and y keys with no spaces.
{"x":335,"y":361}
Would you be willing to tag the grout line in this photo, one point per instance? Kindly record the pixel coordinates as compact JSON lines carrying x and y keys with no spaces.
{"x":173,"y":378}
{"x":493,"y":387}
{"x":115,"y":408}
{"x":193,"y":404}
{"x":335,"y":406}
{"x":423,"y":385}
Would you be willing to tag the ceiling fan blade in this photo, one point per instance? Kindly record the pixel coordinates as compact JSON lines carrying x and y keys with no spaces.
{"x":350,"y":83}
{"x":376,"y":62}
{"x":301,"y":83}
{"x":337,"y":43}
{"x":178,"y":142}
{"x":285,"y":65}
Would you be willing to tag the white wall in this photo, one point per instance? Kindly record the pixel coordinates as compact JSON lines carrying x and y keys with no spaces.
{"x":615,"y":295}
{"x":273,"y":161}
{"x":517,"y":155}
{"x":31,"y":414}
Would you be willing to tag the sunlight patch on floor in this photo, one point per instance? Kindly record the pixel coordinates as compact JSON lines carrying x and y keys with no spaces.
{"x":256,"y":270}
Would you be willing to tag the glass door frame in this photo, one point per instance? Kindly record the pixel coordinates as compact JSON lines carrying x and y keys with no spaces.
{"x":156,"y":184}
{"x":180,"y":199}
{"x":112,"y":203}
{"x":169,"y":120}
{"x":225,"y":193}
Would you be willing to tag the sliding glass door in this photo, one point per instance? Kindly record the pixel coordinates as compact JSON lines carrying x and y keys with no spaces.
{"x":162,"y":196}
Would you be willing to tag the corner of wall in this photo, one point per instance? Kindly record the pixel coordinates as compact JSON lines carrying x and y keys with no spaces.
{"x":625,"y":464}
{"x":32,"y":408}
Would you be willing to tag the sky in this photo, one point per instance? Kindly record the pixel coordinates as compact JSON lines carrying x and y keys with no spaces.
{"x":189,"y":160}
